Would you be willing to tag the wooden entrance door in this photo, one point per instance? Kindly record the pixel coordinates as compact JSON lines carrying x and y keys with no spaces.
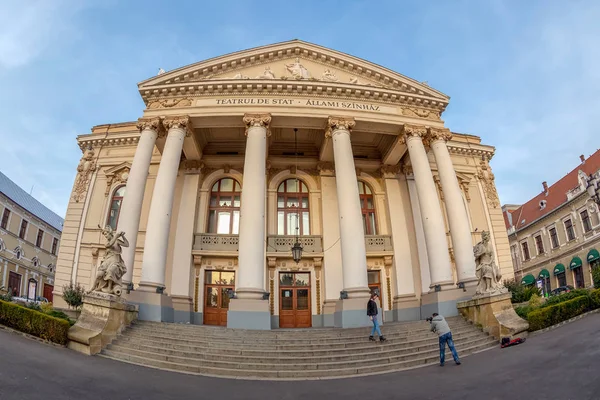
{"x":48,"y":289}
{"x":217,"y":286}
{"x":14,"y":283}
{"x":294,"y":300}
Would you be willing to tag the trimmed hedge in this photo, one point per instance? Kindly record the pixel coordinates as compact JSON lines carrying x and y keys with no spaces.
{"x":554,"y":314}
{"x":34,"y":322}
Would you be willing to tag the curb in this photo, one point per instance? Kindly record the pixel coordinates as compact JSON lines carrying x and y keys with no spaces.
{"x":31,"y":337}
{"x":550,"y":328}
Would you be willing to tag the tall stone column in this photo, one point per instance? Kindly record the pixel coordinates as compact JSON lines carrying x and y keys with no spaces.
{"x":154,"y":305}
{"x":431,"y":214}
{"x":134,"y":192}
{"x":248,"y":310}
{"x":406,"y":304}
{"x":350,"y":311}
{"x":458,"y":219}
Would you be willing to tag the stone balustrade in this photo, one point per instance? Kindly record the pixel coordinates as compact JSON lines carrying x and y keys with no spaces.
{"x":378,"y":243}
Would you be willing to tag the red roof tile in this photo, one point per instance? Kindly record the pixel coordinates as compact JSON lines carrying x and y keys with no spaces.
{"x":556,"y":196}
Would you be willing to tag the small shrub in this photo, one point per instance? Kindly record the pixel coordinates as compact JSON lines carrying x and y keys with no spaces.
{"x":73,"y":295}
{"x":46,"y":307}
{"x":34,"y":322}
{"x":535,"y":301}
{"x":523,"y":311}
{"x":596,"y":277}
{"x":565,"y":297}
{"x":33,"y":306}
{"x":6,"y":296}
{"x":595,"y":298}
{"x":552,"y":315}
{"x":521,"y":293}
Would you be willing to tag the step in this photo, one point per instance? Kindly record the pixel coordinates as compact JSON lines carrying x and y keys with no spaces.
{"x":308,"y":358}
{"x":281,"y":343}
{"x":364,"y":346}
{"x":289,"y":374}
{"x":220,"y":332}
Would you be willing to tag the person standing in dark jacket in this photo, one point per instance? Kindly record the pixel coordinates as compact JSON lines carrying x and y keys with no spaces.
{"x":372,"y":313}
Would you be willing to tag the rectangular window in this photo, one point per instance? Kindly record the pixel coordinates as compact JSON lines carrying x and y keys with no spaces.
{"x":585,"y":219}
{"x":54,"y":245}
{"x":40,"y":238}
{"x":5,"y":216}
{"x":554,"y":238}
{"x":539,"y":244}
{"x":570,"y":230}
{"x":525,"y":251}
{"x":23,"y":229}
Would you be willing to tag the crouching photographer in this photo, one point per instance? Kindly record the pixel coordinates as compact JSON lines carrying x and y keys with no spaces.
{"x":440,"y":326}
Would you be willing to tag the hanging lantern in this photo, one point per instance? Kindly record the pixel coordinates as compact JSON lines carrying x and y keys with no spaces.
{"x":297,"y":251}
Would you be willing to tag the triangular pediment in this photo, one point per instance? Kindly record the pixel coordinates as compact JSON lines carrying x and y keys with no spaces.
{"x":295,"y":62}
{"x":124,"y":166}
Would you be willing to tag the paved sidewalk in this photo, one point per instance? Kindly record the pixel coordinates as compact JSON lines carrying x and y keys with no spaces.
{"x":561,"y":364}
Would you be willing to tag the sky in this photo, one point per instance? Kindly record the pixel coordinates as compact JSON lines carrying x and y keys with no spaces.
{"x":522,"y":75}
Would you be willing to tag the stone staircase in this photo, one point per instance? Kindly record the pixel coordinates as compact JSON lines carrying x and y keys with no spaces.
{"x":320,"y":353}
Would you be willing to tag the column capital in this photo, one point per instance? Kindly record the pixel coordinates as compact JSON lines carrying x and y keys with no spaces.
{"x":326,"y":168}
{"x":150,"y":123}
{"x":407,"y":169}
{"x":390,"y":171}
{"x":439,"y":134}
{"x":178,"y":122}
{"x":257,"y":120}
{"x":337,"y":123}
{"x":409,"y":130}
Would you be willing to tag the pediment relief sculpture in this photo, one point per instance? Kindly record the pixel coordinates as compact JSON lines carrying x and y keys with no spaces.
{"x":170,"y":103}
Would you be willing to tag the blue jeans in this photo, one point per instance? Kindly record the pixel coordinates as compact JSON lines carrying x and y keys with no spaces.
{"x":447,"y":338}
{"x":375,"y":326}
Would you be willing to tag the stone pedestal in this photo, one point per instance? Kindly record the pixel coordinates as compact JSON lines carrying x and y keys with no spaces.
{"x":495,"y":314}
{"x":406,"y":308}
{"x":103,"y":317}
{"x":329,"y":313}
{"x":351,"y":313}
{"x":249,"y":314}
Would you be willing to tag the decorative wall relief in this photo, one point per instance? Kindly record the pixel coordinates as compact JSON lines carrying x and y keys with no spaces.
{"x":86,"y":166}
{"x":487,"y":179}
{"x":170,"y":103}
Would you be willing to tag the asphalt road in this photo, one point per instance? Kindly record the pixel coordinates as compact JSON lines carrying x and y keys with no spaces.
{"x":560,"y":364}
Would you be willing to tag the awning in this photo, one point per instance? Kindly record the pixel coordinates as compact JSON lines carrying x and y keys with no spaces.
{"x":575,"y":263}
{"x":593,"y":255}
{"x":528,"y":280}
{"x":544,"y":274}
{"x":559,"y":269}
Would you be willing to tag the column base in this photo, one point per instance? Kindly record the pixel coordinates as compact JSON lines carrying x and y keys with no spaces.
{"x":444,"y":302}
{"x":351,"y":313}
{"x":249,"y":314}
{"x":183,"y":309}
{"x":329,"y":313}
{"x":153,"y":306}
{"x":469,"y":282}
{"x":249,"y":294}
{"x":406,"y":308}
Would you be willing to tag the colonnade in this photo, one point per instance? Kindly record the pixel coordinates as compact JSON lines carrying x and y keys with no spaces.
{"x":250,"y":282}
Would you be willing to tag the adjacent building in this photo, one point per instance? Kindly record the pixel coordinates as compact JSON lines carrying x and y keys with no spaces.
{"x":238,"y":158}
{"x":29,"y":240}
{"x":555,"y":236}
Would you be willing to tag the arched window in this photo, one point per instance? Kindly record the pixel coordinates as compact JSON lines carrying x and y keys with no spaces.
{"x":224,"y":209}
{"x":115,"y":207}
{"x":292,"y":208}
{"x":367,"y":205}
{"x":18,"y":252}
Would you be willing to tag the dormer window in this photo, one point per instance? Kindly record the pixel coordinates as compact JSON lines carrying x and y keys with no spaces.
{"x":542,"y":204}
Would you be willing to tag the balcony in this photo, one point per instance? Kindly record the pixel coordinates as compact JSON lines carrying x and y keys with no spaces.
{"x":283,"y":244}
{"x":378,"y":243}
{"x":214,"y":242}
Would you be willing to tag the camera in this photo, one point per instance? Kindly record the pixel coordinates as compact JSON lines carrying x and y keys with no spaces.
{"x":429,"y":319}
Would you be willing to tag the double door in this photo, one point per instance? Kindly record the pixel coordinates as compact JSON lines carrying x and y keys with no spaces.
{"x":14,"y":284}
{"x":294,"y":300}
{"x":218,"y":286}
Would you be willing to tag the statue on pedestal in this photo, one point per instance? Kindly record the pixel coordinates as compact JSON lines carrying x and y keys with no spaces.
{"x":486,"y":270}
{"x":112,"y":268}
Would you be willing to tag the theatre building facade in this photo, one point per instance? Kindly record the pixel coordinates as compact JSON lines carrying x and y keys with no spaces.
{"x":239,"y":159}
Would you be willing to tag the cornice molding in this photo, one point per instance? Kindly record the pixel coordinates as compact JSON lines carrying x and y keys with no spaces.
{"x":469,"y":150}
{"x":87,"y":143}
